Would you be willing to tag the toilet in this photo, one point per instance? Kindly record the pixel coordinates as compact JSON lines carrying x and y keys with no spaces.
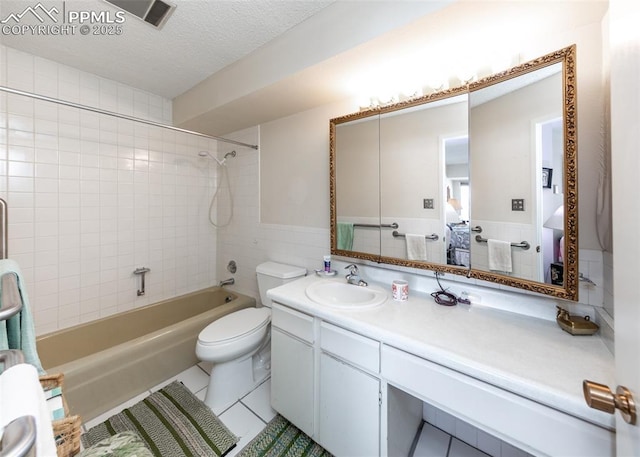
{"x":238,"y":344}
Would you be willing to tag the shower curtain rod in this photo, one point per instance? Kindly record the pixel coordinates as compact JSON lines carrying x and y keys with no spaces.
{"x":122,"y":116}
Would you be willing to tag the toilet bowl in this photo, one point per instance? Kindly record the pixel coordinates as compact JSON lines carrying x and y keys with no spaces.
{"x":238,"y":344}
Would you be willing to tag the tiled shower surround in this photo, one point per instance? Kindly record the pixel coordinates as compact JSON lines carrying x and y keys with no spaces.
{"x":92,"y":197}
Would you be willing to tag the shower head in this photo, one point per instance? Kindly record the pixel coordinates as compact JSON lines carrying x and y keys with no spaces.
{"x":220,"y":162}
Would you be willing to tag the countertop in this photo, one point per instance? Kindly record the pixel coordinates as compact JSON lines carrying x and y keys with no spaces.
{"x":527,"y":356}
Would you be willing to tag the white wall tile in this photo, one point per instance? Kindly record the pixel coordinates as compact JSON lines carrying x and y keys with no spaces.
{"x":92,"y":197}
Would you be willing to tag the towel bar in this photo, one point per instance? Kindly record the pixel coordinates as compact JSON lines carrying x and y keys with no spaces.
{"x":10,"y":300}
{"x":19,"y":438}
{"x":432,"y":237}
{"x":19,"y":435}
{"x":523,"y":244}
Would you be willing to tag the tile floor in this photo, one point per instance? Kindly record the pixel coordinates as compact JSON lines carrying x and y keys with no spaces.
{"x":251,"y":413}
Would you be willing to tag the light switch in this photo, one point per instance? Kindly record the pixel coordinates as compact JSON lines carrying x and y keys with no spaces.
{"x":427,"y":203}
{"x":517,"y":204}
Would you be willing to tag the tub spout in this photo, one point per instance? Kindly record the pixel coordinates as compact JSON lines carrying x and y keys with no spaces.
{"x":227,"y":282}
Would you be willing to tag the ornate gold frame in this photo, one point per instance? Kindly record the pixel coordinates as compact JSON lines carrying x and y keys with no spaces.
{"x":567,"y":56}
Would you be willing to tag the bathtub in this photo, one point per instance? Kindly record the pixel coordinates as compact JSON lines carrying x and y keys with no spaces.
{"x":110,"y":360}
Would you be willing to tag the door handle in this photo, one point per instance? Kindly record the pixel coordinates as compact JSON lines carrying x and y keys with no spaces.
{"x":599,"y":396}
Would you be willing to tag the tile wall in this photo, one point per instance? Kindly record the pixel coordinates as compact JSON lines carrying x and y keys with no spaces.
{"x":249,"y":242}
{"x":92,"y":197}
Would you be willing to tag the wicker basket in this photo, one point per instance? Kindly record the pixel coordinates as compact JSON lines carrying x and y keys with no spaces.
{"x":67,"y":430}
{"x":67,"y":433}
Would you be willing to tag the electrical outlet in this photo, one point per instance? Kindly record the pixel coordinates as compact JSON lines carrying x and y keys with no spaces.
{"x":517,"y":204}
{"x":427,"y":203}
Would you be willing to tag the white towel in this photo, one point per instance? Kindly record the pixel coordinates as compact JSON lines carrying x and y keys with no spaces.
{"x":416,"y":247}
{"x":499,"y":255}
{"x":21,"y":394}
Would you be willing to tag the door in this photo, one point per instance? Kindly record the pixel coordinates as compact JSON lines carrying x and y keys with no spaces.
{"x":625,"y":145}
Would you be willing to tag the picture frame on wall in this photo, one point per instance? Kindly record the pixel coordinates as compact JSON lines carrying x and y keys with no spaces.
{"x":547,"y":174}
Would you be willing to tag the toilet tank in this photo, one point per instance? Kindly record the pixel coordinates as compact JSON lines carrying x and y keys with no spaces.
{"x":273,"y":274}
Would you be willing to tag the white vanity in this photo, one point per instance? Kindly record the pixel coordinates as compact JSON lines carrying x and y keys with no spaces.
{"x":355,"y":378}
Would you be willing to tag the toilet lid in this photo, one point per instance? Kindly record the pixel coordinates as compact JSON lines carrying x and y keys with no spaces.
{"x":234,"y":325}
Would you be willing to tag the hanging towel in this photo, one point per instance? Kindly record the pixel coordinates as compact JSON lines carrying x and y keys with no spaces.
{"x":499,"y":255}
{"x":416,"y":247}
{"x":345,"y":236}
{"x":19,"y":331}
{"x":21,"y":394}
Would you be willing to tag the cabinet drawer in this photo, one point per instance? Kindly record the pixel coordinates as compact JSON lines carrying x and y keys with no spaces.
{"x":293,"y":322}
{"x":354,"y":348}
{"x":528,"y":425}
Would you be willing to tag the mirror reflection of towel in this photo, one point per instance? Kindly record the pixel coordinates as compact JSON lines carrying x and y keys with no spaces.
{"x":416,"y":247}
{"x":345,"y":236}
{"x":499,"y":255}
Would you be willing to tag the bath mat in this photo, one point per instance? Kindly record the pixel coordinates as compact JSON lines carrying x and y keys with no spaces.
{"x":281,"y":438}
{"x":172,"y":422}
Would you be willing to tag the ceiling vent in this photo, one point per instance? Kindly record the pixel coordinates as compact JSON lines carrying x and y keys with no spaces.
{"x":154,"y":12}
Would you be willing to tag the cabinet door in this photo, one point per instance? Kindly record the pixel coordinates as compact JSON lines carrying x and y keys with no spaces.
{"x":349,"y":409}
{"x":292,"y":379}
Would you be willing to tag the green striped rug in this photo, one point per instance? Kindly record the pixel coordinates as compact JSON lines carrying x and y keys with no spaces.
{"x":281,"y":438}
{"x":172,"y":422}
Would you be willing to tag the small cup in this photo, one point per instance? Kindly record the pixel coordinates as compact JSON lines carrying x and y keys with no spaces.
{"x":400,"y":290}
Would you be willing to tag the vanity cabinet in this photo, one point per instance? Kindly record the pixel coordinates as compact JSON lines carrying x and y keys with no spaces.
{"x":370,"y":377}
{"x":292,"y":367}
{"x":328,"y":386}
{"x":349,"y":407}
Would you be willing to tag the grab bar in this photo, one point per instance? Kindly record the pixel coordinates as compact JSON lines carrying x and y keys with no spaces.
{"x":393,"y":225}
{"x":523,"y":244}
{"x":19,"y":438}
{"x":10,"y":299}
{"x":433,"y":236}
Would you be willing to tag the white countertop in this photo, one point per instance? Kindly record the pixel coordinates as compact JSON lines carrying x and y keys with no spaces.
{"x":527,"y":356}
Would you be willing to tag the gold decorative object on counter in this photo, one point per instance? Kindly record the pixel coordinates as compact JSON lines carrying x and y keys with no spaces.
{"x":576,"y":325}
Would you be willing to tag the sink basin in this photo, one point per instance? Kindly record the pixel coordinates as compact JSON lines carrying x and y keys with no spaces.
{"x":342,"y":295}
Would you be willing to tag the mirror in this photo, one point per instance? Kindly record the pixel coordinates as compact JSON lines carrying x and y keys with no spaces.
{"x":413,"y":155}
{"x":487,"y":165}
{"x":358,"y":221}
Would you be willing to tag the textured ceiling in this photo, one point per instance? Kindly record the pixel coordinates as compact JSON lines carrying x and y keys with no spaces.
{"x":199,"y":38}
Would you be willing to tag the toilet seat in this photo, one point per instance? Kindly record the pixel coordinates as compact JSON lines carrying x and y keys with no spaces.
{"x":236,"y":325}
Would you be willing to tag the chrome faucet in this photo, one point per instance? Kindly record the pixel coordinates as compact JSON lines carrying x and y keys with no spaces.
{"x":353,"y":277}
{"x":227,"y":282}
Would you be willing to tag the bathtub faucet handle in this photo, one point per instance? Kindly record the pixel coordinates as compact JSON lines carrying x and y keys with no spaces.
{"x":141,"y":271}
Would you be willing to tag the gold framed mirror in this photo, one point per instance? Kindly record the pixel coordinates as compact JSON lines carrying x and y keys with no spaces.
{"x":398,"y":173}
